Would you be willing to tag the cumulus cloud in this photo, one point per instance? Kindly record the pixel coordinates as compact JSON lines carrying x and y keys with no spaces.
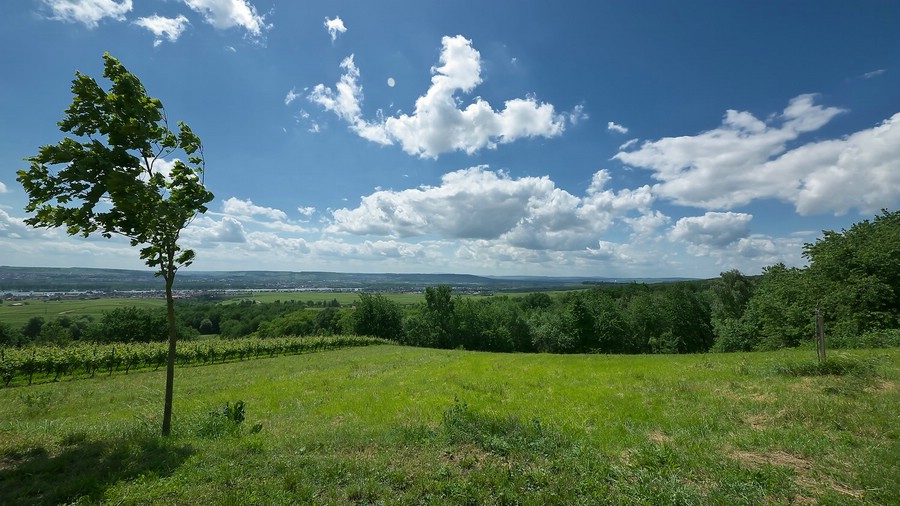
{"x":12,"y":227}
{"x":439,"y":124}
{"x":751,"y":253}
{"x":480,"y":204}
{"x":227,"y":230}
{"x":225,"y":14}
{"x":164,"y":28}
{"x":746,"y":159}
{"x":615,"y":127}
{"x":3,"y":188}
{"x":162,"y":166}
{"x":860,"y":171}
{"x":344,"y":100}
{"x":647,"y":225}
{"x":252,"y":215}
{"x":335,"y":26}
{"x":88,"y":12}
{"x":306,"y":211}
{"x":712,"y":230}
{"x":369,"y":250}
{"x":235,"y":240}
{"x":246,"y":208}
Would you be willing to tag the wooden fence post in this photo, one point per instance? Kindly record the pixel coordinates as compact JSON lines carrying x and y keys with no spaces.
{"x":820,"y":335}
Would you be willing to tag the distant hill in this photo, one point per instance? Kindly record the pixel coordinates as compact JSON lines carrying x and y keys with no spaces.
{"x":76,"y":278}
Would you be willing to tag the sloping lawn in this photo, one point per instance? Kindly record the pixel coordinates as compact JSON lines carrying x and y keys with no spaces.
{"x":396,"y":425}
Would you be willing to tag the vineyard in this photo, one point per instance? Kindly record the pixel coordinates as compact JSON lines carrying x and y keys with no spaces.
{"x":27,"y":365}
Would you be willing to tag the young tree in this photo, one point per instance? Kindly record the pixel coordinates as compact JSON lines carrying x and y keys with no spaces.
{"x":440,"y":314}
{"x":118,"y":173}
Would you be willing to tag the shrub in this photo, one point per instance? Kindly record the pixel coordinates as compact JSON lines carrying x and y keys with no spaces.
{"x":888,"y":338}
{"x":733,"y":335}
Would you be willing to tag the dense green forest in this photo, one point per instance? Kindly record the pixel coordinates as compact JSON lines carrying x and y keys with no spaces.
{"x":853,"y":277}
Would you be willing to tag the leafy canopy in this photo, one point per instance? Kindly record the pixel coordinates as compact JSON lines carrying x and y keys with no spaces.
{"x":858,"y":272}
{"x":117,"y":172}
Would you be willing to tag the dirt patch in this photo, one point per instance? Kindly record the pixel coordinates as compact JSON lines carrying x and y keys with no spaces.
{"x":759,"y":422}
{"x":807,"y":385}
{"x":887,"y":386}
{"x":802,"y":499}
{"x":760,"y":397}
{"x":778,"y":458}
{"x":802,"y":467}
{"x":658,"y":437}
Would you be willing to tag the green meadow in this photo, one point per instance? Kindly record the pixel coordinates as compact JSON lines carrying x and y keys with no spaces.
{"x":397,"y":425}
{"x":18,"y":313}
{"x":343,"y":298}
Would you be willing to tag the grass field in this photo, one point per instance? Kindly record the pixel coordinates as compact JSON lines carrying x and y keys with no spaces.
{"x":344,"y":298}
{"x":18,"y":313}
{"x":396,"y":425}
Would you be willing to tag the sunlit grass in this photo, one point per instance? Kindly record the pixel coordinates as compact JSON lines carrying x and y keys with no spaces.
{"x":17,"y":313}
{"x":406,"y":426}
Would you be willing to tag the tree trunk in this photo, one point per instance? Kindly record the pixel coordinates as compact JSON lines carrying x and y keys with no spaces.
{"x":170,"y":366}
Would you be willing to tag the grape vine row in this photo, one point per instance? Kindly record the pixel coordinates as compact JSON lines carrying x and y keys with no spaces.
{"x":50,"y":363}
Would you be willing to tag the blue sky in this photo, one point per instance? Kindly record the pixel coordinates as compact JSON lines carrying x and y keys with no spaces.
{"x":505,"y":137}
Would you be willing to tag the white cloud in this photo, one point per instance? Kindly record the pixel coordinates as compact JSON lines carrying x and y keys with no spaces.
{"x":164,"y":28}
{"x":291,"y":96}
{"x":334,"y":27}
{"x":224,"y":14}
{"x":712,"y":230}
{"x":860,"y":171}
{"x":613,"y":126}
{"x":3,"y":188}
{"x":627,"y":144}
{"x":227,"y":230}
{"x":306,"y":211}
{"x":246,"y":208}
{"x":646,"y":226}
{"x":746,"y":159}
{"x":750,"y":254}
{"x":368,"y":250}
{"x":480,"y":204}
{"x":874,"y":73}
{"x":345,"y":99}
{"x":160,"y":166}
{"x":438,"y":124}
{"x":252,"y":215}
{"x":12,"y":227}
{"x":577,"y":115}
{"x":88,"y":12}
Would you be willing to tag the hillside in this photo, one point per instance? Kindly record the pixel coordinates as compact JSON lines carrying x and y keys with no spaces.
{"x":75,"y":278}
{"x":396,"y":425}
